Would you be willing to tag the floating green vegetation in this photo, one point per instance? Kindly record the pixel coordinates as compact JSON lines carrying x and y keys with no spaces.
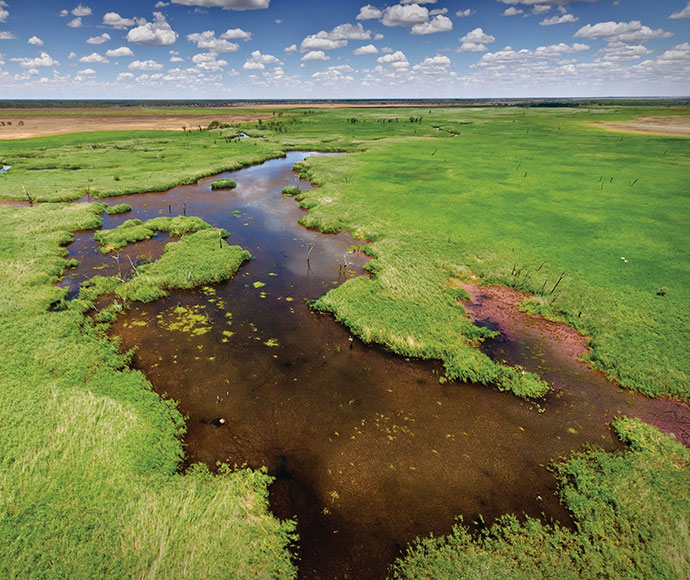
{"x":223,"y":184}
{"x":91,"y":484}
{"x":258,"y":284}
{"x":631,"y":512}
{"x":136,"y":230}
{"x":119,"y":208}
{"x":291,"y":190}
{"x":186,"y":319}
{"x":272,"y":342}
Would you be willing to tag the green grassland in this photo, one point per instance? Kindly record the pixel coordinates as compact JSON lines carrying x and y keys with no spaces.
{"x":90,"y":455}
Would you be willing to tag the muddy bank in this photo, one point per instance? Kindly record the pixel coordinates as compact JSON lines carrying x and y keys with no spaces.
{"x":555,"y":351}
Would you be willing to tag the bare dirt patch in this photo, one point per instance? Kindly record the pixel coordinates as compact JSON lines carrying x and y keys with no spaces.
{"x":675,"y":125}
{"x":15,"y":124}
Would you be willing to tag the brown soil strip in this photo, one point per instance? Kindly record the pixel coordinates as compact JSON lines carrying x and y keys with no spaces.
{"x":499,"y":306}
{"x":21,"y":124}
{"x":678,"y":126}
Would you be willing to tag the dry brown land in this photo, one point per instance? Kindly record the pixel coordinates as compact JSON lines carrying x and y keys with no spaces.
{"x":679,"y":126}
{"x":20,"y":124}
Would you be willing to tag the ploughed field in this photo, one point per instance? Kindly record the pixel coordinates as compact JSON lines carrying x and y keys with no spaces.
{"x":369,"y":447}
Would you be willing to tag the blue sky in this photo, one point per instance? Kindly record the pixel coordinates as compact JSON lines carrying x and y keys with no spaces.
{"x":244,"y":49}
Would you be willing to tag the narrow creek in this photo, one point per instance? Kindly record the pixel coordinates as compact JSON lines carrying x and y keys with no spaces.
{"x":368,"y":449}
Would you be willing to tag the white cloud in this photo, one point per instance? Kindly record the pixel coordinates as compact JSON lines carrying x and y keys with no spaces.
{"x":628,"y":32}
{"x":75,"y":22}
{"x":119,"y":52}
{"x":438,"y":11}
{"x":315,"y":55}
{"x":512,"y":11}
{"x":464,"y":13}
{"x":35,"y":41}
{"x":208,"y":62}
{"x":369,"y":12}
{"x":63,"y":13}
{"x":684,"y":13}
{"x":437,"y":65}
{"x":366,"y":49}
{"x":559,"y":20}
{"x":4,"y":13}
{"x":258,"y":61}
{"x":100,"y":39}
{"x":291,"y":48}
{"x":236,"y":34}
{"x":81,"y":10}
{"x":207,"y":41}
{"x":436,"y":24}
{"x":156,"y":33}
{"x":405,"y":15}
{"x":475,"y":41}
{"x":558,"y":50}
{"x":618,"y":51}
{"x":43,"y":60}
{"x":226,"y":4}
{"x":378,"y":36}
{"x":334,"y":75}
{"x":144,"y":65}
{"x":72,"y":55}
{"x":336,"y":38}
{"x":395,"y":59}
{"x":545,"y":2}
{"x":116,"y":21}
{"x":125,"y":76}
{"x":176,"y":59}
{"x":86,"y":72}
{"x":6,"y":35}
{"x":94,"y":57}
{"x":417,"y":1}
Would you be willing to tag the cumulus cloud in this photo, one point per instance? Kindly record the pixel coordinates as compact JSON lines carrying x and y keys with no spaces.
{"x":35,"y":41}
{"x":116,"y":21}
{"x":475,"y":41}
{"x":236,"y":34}
{"x":125,"y":76}
{"x":436,"y":24}
{"x":436,"y":65}
{"x":94,"y":57}
{"x":75,"y":22}
{"x":559,"y":19}
{"x":258,"y":61}
{"x":226,"y":4}
{"x":315,"y":55}
{"x":6,"y":35}
{"x":618,"y":51}
{"x":334,"y":75}
{"x":43,"y":60}
{"x":558,"y":50}
{"x":100,"y":39}
{"x":369,"y":12}
{"x":405,"y":15}
{"x":366,"y":49}
{"x":464,"y":13}
{"x":684,"y":13}
{"x":119,"y":52}
{"x":291,"y":48}
{"x":395,"y":59}
{"x":336,"y":38}
{"x":4,"y":13}
{"x":512,"y":11}
{"x":541,"y":9}
{"x":207,"y":41}
{"x":144,"y":65}
{"x":208,"y":62}
{"x":545,"y":2}
{"x":628,"y":32}
{"x":156,"y":33}
{"x":81,"y":10}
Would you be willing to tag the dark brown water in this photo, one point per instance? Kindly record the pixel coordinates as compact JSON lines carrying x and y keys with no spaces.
{"x":369,"y":451}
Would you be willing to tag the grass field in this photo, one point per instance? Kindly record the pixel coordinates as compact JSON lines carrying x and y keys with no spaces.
{"x":594,"y":222}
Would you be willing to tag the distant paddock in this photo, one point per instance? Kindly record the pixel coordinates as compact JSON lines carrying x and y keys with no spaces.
{"x":679,"y":125}
{"x":23,"y":123}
